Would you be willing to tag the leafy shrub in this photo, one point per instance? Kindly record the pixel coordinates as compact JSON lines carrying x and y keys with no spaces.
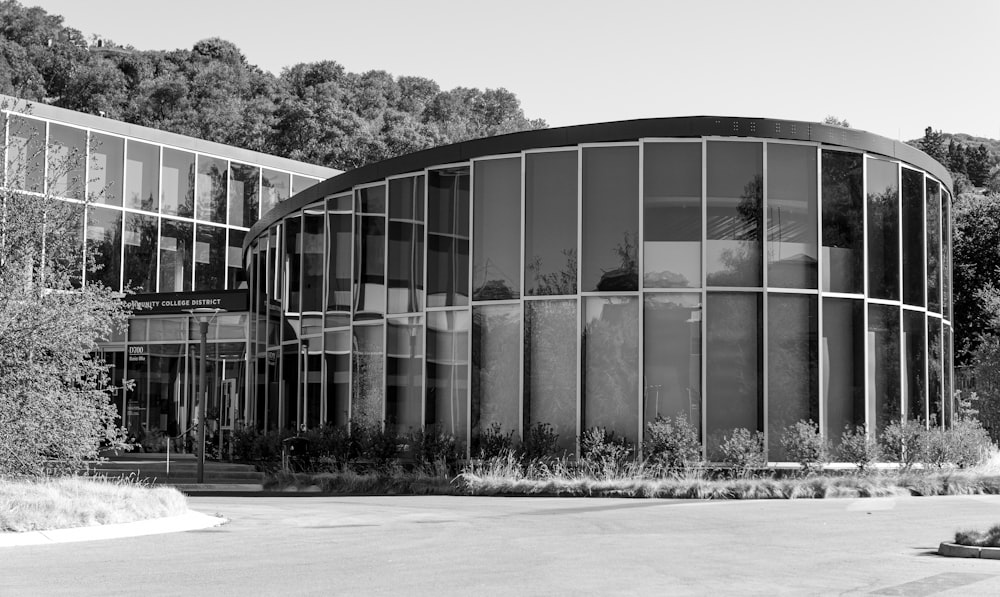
{"x":434,"y":450}
{"x":672,"y":443}
{"x":541,"y":442}
{"x":964,"y":444}
{"x":329,"y":442}
{"x":493,"y":442}
{"x":858,"y":448}
{"x":744,"y":450}
{"x":903,"y":442}
{"x":377,"y":446}
{"x":597,"y":444}
{"x":803,"y":443}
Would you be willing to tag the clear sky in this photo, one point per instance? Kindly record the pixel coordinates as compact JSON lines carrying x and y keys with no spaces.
{"x":892,"y":67}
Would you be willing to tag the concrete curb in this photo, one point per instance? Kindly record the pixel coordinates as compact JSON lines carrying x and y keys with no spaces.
{"x":191,"y":521}
{"x":954,"y":550}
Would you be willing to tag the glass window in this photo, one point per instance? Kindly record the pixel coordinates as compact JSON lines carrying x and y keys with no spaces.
{"x":140,"y":252}
{"x":447,"y":401}
{"x":404,"y":367}
{"x":212,"y":189}
{"x":244,"y":195}
{"x":883,"y":229}
{"x":672,"y":218}
{"x":733,"y":360}
{"x":883,"y":368}
{"x":610,"y":219}
{"x":672,"y":357}
{"x":550,"y":368}
{"x":338,"y":277}
{"x":104,"y":245}
{"x":293,"y":264}
{"x":949,"y":400}
{"x":162,"y":329}
{"x":791,"y":216}
{"x":946,"y":257}
{"x":301,"y":183}
{"x":550,"y":222}
{"x":933,"y":246}
{"x":177,"y":193}
{"x":914,"y":372}
{"x":792,"y":366}
{"x":735,"y":183}
{"x":448,"y":237}
{"x":274,"y":189}
{"x":369,"y":267}
{"x":236,"y":277}
{"x":175,"y":256}
{"x":496,"y":235}
{"x":843,"y":354}
{"x":67,"y":156}
{"x":496,"y":333}
{"x":142,"y":175}
{"x":406,"y":245}
{"x":291,"y":396}
{"x":368,"y":390}
{"x":370,"y":200}
{"x":313,"y":220}
{"x":26,"y":154}
{"x":935,"y":373}
{"x":337,"y":350}
{"x":913,"y":237}
{"x":610,"y":345}
{"x":107,"y":159}
{"x":312,"y":361}
{"x":843,"y":223}
{"x":209,"y":258}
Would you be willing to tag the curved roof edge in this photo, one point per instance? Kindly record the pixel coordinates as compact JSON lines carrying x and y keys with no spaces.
{"x":605,"y":132}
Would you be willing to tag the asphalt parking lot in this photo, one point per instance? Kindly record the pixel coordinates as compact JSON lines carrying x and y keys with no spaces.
{"x":316,"y":545}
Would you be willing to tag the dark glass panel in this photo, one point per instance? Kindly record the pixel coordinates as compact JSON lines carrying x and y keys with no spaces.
{"x":340,"y":203}
{"x":273,"y":398}
{"x":946,"y":265}
{"x":933,"y":246}
{"x":406,"y":246}
{"x":496,"y":399}
{"x":312,"y":259}
{"x":946,"y":375}
{"x":291,"y":383}
{"x":177,"y":190}
{"x":163,"y":329}
{"x":26,"y":154}
{"x":883,"y":229}
{"x":550,"y":368}
{"x":274,"y":189}
{"x":209,"y":258}
{"x":67,"y":161}
{"x":734,"y":390}
{"x":142,"y":175}
{"x":292,"y":263}
{"x":369,"y":385}
{"x":244,"y":194}
{"x":550,"y":222}
{"x":883,"y":368}
{"x":175,"y":256}
{"x":672,"y":218}
{"x":843,"y":222}
{"x":447,"y":401}
{"x":338,"y":277}
{"x":107,"y":162}
{"x":843,"y":357}
{"x":312,"y":361}
{"x":369,"y":267}
{"x":935,"y":373}
{"x":912,"y":206}
{"x":610,"y":219}
{"x":213,"y":182}
{"x":236,"y":277}
{"x":406,"y":198}
{"x":338,"y":376}
{"x":791,"y":216}
{"x":370,"y":200}
{"x":610,"y":347}
{"x":301,"y":183}
{"x":496,"y":249}
{"x":672,"y":357}
{"x":140,"y":252}
{"x":448,"y":237}
{"x":792,"y":366}
{"x":914,"y":363}
{"x":735,"y":182}
{"x":104,"y":245}
{"x":404,"y":367}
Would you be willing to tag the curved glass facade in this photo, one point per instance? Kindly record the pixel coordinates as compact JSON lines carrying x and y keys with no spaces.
{"x":739,"y":281}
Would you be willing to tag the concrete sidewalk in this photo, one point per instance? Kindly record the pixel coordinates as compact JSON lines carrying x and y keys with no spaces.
{"x":170,"y":524}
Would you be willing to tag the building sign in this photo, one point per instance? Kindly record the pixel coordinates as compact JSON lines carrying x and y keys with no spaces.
{"x":182,"y":302}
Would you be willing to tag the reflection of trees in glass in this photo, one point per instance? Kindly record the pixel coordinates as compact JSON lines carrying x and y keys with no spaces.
{"x":883,"y":247}
{"x":626,"y":276}
{"x":367,"y":395}
{"x":741,"y":259}
{"x":843,"y":219}
{"x":793,"y":359}
{"x":559,"y":282}
{"x":102,"y":250}
{"x":550,"y":367}
{"x":883,"y":324}
{"x":610,"y":345}
{"x":495,"y":395}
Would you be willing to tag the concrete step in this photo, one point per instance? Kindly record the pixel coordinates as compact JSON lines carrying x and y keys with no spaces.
{"x":179,"y":465}
{"x":223,"y":477}
{"x":193,"y":488}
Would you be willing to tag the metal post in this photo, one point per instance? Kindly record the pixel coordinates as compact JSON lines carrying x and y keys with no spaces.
{"x":203,"y":393}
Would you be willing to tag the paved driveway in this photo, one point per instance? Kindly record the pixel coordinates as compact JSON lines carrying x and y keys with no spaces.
{"x":528,"y":546}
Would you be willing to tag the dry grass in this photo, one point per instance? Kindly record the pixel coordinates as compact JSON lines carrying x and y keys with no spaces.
{"x":352,"y":483}
{"x":988,"y":538}
{"x":58,"y":503}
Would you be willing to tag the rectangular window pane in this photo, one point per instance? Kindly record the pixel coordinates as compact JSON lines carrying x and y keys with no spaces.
{"x":368,"y":390}
{"x":550,"y":368}
{"x":883,"y":366}
{"x":495,"y":370}
{"x":140,"y":252}
{"x":213,"y":182}
{"x":447,"y":374}
{"x":914,"y":363}
{"x":792,"y":366}
{"x":142,"y":175}
{"x":338,"y":276}
{"x":883,"y":229}
{"x":104,"y":244}
{"x":209,"y":258}
{"x":67,"y":161}
{"x":301,"y":183}
{"x":949,"y":396}
{"x":946,"y":257}
{"x":935,"y":374}
{"x":293,"y":264}
{"x":236,"y":277}
{"x":843,"y":222}
{"x":313,"y":220}
{"x":244,"y":182}
{"x":175,"y":256}
{"x":672,"y":357}
{"x":370,"y":200}
{"x":26,"y":154}
{"x":734,"y":392}
{"x":338,"y":376}
{"x":610,"y":219}
{"x":404,"y":367}
{"x":550,"y":223}
{"x":610,"y":344}
{"x":934,"y":246}
{"x":369,"y":267}
{"x":406,"y":246}
{"x":913,"y":237}
{"x":843,"y":354}
{"x":107,"y":159}
{"x":672,"y":218}
{"x":791,"y":216}
{"x":448,"y":237}
{"x":274,"y":189}
{"x":497,"y":230}
{"x":735,"y":182}
{"x":177,"y":192}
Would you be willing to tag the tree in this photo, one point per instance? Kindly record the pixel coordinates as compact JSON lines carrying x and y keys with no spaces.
{"x":835,"y":121}
{"x":978,"y":164}
{"x":933,"y":145}
{"x":976,"y":237}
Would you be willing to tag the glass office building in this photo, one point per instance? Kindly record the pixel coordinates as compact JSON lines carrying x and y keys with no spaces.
{"x":740,"y":272}
{"x":166,"y":216}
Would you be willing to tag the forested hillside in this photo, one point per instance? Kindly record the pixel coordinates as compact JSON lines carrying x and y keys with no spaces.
{"x":315,"y":112}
